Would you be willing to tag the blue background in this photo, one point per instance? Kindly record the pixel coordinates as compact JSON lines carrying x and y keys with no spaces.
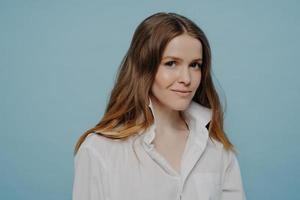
{"x":58,"y":60}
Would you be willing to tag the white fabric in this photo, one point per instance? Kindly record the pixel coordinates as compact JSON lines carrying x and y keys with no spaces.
{"x":105,"y":169}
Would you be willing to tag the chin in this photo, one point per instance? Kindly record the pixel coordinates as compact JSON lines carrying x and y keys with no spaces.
{"x":180,"y":105}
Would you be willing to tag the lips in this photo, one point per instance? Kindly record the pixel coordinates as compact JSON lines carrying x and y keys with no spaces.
{"x":183,"y":91}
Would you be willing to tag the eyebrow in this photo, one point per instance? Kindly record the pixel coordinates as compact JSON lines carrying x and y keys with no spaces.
{"x":176,"y":58}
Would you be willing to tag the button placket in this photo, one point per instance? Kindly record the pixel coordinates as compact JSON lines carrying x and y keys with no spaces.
{"x":180,"y":188}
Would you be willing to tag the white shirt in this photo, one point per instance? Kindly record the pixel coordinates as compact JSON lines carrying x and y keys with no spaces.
{"x":105,"y":169}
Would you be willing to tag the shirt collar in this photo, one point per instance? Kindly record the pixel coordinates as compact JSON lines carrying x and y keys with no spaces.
{"x":196,"y":115}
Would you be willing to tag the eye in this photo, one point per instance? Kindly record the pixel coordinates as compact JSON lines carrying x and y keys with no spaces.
{"x":170,"y":63}
{"x":199,"y":64}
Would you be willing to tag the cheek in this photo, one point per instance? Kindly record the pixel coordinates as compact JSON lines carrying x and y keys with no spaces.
{"x":162,"y":82}
{"x":164,"y":78}
{"x":197,"y":79}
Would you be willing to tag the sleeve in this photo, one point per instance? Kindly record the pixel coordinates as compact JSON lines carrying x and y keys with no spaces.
{"x":232,"y":188}
{"x":88,"y":181}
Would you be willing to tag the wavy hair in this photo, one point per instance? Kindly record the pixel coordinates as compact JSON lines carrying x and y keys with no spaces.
{"x":127,"y":112}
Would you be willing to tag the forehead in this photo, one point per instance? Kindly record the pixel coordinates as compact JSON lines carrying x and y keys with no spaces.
{"x":184,"y":46}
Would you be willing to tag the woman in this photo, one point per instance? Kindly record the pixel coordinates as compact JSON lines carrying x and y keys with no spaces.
{"x":161,"y":136}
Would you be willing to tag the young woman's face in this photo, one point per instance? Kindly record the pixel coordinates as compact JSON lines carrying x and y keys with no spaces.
{"x":179,"y":70}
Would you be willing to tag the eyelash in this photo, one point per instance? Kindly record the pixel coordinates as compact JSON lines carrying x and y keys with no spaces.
{"x":171,"y":62}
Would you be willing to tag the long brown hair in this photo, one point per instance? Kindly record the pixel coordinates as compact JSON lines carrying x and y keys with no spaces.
{"x":127,"y":112}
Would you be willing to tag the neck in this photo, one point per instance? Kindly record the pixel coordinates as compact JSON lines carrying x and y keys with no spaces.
{"x":167,"y":120}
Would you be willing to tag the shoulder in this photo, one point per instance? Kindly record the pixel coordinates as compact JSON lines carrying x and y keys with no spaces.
{"x":226,"y":155}
{"x":102,"y":145}
{"x":94,"y":140}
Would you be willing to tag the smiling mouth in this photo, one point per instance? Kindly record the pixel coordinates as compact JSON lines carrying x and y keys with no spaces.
{"x":182,"y":94}
{"x":182,"y":91}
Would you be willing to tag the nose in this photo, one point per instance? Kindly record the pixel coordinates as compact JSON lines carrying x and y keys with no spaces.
{"x":184,"y":76}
